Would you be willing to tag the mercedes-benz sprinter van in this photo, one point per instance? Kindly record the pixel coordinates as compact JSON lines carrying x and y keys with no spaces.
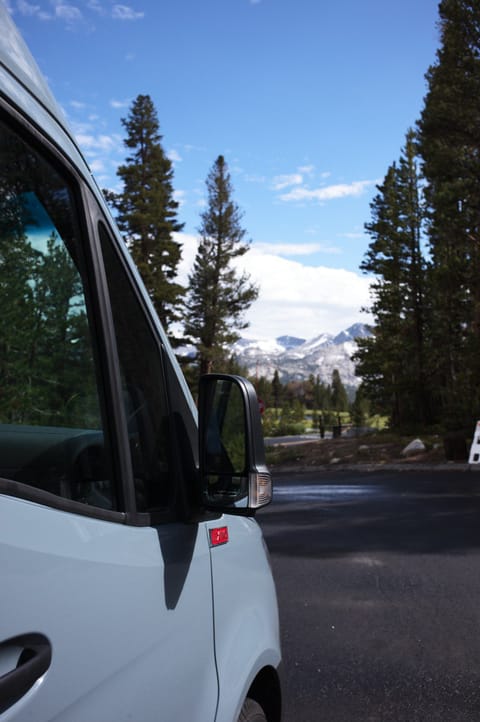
{"x":134,"y":581}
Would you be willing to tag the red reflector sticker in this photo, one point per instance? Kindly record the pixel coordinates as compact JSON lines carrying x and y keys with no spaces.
{"x":218,"y":536}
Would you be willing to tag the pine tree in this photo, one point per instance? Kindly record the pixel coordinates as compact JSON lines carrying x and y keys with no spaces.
{"x":339,"y":395}
{"x":449,"y":132}
{"x":147,"y":210}
{"x":360,"y":408}
{"x":392,"y":361}
{"x":218,"y":295}
{"x":277,"y":390}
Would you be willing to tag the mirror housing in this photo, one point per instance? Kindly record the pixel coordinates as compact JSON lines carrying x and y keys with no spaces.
{"x":233,"y":472}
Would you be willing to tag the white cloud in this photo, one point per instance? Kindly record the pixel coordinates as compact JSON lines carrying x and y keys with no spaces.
{"x":189,"y":249}
{"x":327,"y":193}
{"x":306,"y":169}
{"x":284,"y":181}
{"x":294,"y":299}
{"x":302,"y":300}
{"x":119,"y":103}
{"x":252,"y":178}
{"x":69,"y":13}
{"x":124,"y":12}
{"x":188,"y":148}
{"x":95,"y":5}
{"x":179,"y":196}
{"x":352,"y":236}
{"x":104,"y":143}
{"x":72,"y":14}
{"x":97,"y":166}
{"x":28,"y":9}
{"x":295,"y":249}
{"x":174,"y":156}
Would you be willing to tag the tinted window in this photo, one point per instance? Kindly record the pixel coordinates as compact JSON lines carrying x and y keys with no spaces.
{"x":50,"y":422}
{"x":143,"y":387}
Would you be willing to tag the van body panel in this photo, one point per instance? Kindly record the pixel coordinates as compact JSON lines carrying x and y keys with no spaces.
{"x":15,"y":55}
{"x":144,"y":620}
{"x":126,"y":610}
{"x":246,"y":624}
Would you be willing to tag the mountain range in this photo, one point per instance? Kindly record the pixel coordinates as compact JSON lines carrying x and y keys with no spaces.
{"x":297,"y":358}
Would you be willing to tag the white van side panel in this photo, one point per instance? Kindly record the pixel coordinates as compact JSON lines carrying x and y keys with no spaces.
{"x":247,"y":636}
{"x":127,"y":610}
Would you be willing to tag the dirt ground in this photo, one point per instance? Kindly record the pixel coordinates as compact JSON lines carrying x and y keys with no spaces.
{"x":374,"y":449}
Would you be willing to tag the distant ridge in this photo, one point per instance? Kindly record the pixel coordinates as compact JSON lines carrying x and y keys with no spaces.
{"x":290,"y":341}
{"x":297,"y":359}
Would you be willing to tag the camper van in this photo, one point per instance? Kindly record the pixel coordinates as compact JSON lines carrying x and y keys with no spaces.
{"x":134,"y":580}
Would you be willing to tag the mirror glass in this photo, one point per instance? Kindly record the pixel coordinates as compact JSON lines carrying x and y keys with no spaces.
{"x":225,"y":452}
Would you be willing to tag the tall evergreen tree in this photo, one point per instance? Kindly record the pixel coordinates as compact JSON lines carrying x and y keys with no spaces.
{"x":218,"y":294}
{"x":277,"y":389}
{"x":449,"y":133}
{"x":392,"y":361}
{"x":339,"y":395}
{"x":147,"y":210}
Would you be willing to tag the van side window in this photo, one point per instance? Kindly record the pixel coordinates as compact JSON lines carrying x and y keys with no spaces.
{"x":51,"y":434}
{"x":143,"y":386}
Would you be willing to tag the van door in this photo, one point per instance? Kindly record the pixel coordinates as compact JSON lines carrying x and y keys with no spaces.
{"x":103,"y":616}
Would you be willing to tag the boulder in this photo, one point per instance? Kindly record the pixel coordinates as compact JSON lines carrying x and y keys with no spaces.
{"x":414,"y":447}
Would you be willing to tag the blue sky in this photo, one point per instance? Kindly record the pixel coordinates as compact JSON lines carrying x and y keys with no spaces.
{"x":308,"y":100}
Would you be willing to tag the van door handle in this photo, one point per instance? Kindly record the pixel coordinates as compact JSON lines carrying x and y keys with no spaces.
{"x":26,"y":658}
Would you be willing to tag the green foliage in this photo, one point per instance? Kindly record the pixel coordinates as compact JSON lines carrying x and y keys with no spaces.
{"x":218,"y":295}
{"x":449,"y":136}
{"x":360,"y":410}
{"x":392,"y":361}
{"x":339,"y":398}
{"x":289,"y":420}
{"x":276,"y":389}
{"x":421,"y":366}
{"x":293,"y":407}
{"x":147,"y":211}
{"x":46,"y":366}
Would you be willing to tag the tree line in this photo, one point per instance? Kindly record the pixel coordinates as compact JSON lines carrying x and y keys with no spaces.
{"x":46,"y":365}
{"x":209,"y":312}
{"x":293,"y":406}
{"x":421,"y":366}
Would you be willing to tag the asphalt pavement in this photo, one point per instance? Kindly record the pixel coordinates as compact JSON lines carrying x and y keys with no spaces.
{"x":378,"y":583}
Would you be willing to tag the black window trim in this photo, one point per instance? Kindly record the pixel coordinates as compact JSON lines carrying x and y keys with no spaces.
{"x":17,"y":489}
{"x":169,"y":513}
{"x":187,"y":504}
{"x":111,"y":367}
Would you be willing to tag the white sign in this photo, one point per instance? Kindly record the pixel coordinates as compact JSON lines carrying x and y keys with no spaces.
{"x":474,"y":457}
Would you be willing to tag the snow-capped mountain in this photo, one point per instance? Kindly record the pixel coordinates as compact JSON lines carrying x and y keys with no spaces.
{"x":297,"y":358}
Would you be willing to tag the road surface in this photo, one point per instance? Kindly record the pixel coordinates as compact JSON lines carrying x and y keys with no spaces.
{"x":378,"y":579}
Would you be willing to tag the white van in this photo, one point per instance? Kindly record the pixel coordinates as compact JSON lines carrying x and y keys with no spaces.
{"x":134,"y":582}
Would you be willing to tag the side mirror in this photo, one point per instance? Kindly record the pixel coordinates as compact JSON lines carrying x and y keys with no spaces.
{"x":233,"y":471}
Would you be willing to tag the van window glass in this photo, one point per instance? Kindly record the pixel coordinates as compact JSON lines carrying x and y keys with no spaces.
{"x":143,"y":386}
{"x":51,"y":433}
